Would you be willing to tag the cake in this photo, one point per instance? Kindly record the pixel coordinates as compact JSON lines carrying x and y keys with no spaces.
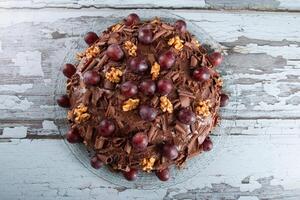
{"x":144,"y":95}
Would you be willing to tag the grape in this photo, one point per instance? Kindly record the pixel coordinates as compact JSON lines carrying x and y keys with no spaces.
{"x":224,"y":100}
{"x":140,"y":141}
{"x":69,"y":70}
{"x":163,"y":175}
{"x":164,"y":86}
{"x":180,"y":25}
{"x":215,"y":58}
{"x":106,"y":128}
{"x":138,"y":65}
{"x":129,"y":89}
{"x":131,"y":175}
{"x":63,"y":101}
{"x":147,"y":113}
{"x":186,"y":116}
{"x":91,"y":78}
{"x":115,"y":52}
{"x":132,"y":19}
{"x":90,"y":38}
{"x":147,"y":87}
{"x":201,"y":74}
{"x":170,"y":151}
{"x":145,"y":35}
{"x":166,"y":60}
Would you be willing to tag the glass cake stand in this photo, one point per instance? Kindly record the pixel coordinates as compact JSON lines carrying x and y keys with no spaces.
{"x":148,"y":180}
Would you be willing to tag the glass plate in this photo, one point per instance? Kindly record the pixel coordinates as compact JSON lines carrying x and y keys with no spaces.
{"x":145,"y":180}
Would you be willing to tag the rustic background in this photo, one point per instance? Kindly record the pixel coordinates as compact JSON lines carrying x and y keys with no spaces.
{"x":262,"y":40}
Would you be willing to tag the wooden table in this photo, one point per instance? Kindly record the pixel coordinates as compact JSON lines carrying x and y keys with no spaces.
{"x":261,"y":159}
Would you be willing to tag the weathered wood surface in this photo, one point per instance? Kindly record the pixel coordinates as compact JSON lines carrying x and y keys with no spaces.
{"x":267,"y":5}
{"x":259,"y":161}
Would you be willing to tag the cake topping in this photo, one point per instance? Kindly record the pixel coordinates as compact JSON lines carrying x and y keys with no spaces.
{"x":91,"y":78}
{"x":224,"y":100}
{"x":176,"y":42}
{"x":131,"y":48}
{"x":145,"y":35}
{"x":115,"y":52}
{"x":186,"y":116}
{"x":218,"y":82}
{"x":148,"y":164}
{"x":215,"y":58}
{"x":155,"y":70}
{"x":69,"y":70}
{"x":140,"y":141}
{"x":90,"y":38}
{"x":202,"y":108}
{"x":165,"y":104}
{"x":147,"y":113}
{"x":166,"y":60}
{"x":147,"y":87}
{"x":138,"y":64}
{"x":170,"y":151}
{"x":116,"y":27}
{"x":106,"y":128}
{"x":201,"y":74}
{"x":81,"y":114}
{"x":129,"y":89}
{"x":130,"y":104}
{"x":92,"y":52}
{"x":180,"y":26}
{"x":164,"y":86}
{"x":114,"y":75}
{"x":131,"y":19}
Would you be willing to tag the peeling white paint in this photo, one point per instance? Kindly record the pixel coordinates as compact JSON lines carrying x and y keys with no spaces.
{"x":288,"y":52}
{"x":47,"y":81}
{"x":15,"y":132}
{"x":30,"y":63}
{"x":8,"y":102}
{"x":49,"y":125}
{"x":1,"y":47}
{"x":16,"y":88}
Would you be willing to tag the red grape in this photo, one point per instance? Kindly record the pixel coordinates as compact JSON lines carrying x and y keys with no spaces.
{"x":163,"y":175}
{"x":145,"y":35}
{"x":129,"y":89}
{"x":132,"y":19}
{"x":201,"y":74}
{"x":180,"y":25}
{"x":224,"y":100}
{"x":140,"y":141}
{"x":164,"y":86}
{"x":73,"y":136}
{"x":147,"y":113}
{"x":138,"y":64}
{"x":215,"y":58}
{"x":166,"y":60}
{"x":63,"y":101}
{"x":170,"y":151}
{"x":148,"y":87}
{"x":106,"y":128}
{"x":96,"y":163}
{"x":90,"y":38}
{"x":69,"y":70}
{"x":115,"y":52}
{"x":207,"y":144}
{"x":91,"y":78}
{"x":186,"y":116}
{"x":131,"y":175}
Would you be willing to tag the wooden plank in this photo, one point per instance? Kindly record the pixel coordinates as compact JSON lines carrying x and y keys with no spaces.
{"x":264,"y":164}
{"x":264,"y":72}
{"x":282,"y":5}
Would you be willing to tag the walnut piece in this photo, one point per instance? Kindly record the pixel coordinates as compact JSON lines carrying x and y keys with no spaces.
{"x":130,"y":104}
{"x":166,"y":105}
{"x":195,"y":42}
{"x":148,"y":164}
{"x":81,"y":114}
{"x":203,"y":108}
{"x":116,"y":27}
{"x":218,"y":82}
{"x":92,"y":52}
{"x":176,"y":42}
{"x":114,"y":75}
{"x":130,"y":47}
{"x":155,"y":70}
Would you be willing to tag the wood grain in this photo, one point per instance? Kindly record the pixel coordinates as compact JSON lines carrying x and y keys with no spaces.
{"x":260,"y":158}
{"x":281,"y":5}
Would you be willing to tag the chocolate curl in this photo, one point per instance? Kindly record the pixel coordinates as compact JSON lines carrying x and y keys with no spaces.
{"x":104,"y":158}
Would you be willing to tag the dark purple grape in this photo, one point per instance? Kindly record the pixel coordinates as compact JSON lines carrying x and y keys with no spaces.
{"x":131,"y":19}
{"x":73,"y":136}
{"x":224,"y":100}
{"x":166,"y":60}
{"x":164,"y":86}
{"x":91,"y":78}
{"x":90,"y":38}
{"x":207,"y":144}
{"x":163,"y":175}
{"x":131,"y":175}
{"x":69,"y":70}
{"x":140,"y":141}
{"x":63,"y":101}
{"x":180,"y":26}
{"x":145,"y":35}
{"x":147,"y":113}
{"x":106,"y":128}
{"x":129,"y":89}
{"x":215,"y":58}
{"x":186,"y":116}
{"x":138,"y":64}
{"x":147,"y":87}
{"x":96,"y":163}
{"x":115,"y":52}
{"x":170,"y":151}
{"x":201,"y":74}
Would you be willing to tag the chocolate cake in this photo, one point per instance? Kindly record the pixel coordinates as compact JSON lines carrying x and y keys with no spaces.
{"x":143,"y":96}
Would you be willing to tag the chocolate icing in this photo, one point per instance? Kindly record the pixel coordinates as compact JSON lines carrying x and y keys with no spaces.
{"x":105,"y":99}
